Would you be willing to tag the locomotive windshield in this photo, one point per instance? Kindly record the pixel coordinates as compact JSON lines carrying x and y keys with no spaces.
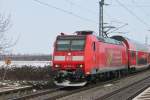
{"x":70,"y":44}
{"x":63,"y":44}
{"x":77,"y":44}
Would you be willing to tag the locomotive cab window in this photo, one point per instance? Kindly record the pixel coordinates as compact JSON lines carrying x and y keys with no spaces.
{"x":77,"y":44}
{"x":70,"y":44}
{"x":63,"y":44}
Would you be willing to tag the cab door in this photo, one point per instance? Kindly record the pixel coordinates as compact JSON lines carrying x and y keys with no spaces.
{"x":95,"y":55}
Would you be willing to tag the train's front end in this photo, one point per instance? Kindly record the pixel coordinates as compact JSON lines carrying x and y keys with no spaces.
{"x":68,"y":60}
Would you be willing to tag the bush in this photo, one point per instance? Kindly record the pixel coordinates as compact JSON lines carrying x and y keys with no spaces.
{"x":27,"y":73}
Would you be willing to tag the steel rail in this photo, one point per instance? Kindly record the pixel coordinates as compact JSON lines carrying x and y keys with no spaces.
{"x":16,"y":90}
{"x":36,"y":94}
{"x":130,"y":86}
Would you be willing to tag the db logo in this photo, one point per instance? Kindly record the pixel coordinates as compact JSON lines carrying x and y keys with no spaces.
{"x":68,"y":58}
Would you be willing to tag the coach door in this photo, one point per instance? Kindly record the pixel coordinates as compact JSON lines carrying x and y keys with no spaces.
{"x":132,"y":60}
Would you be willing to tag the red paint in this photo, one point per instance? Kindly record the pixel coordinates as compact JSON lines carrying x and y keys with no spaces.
{"x":105,"y":55}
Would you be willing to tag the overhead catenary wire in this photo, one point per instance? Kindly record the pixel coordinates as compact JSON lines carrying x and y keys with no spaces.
{"x":91,"y":11}
{"x":65,"y":11}
{"x":133,"y":14}
{"x":82,"y":7}
{"x":140,"y":8}
{"x":119,"y":28}
{"x":130,"y":5}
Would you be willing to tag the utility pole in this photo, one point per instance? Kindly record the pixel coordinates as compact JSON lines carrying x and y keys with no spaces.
{"x":101,"y":27}
{"x":146,"y":40}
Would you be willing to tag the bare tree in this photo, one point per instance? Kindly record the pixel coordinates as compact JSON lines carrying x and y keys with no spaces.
{"x":4,"y":27}
{"x":4,"y":42}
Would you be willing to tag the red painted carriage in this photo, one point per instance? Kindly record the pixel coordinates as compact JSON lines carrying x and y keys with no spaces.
{"x":82,"y":57}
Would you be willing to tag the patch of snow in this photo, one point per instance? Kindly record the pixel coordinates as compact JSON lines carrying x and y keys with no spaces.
{"x":27,"y":63}
{"x":108,"y":85}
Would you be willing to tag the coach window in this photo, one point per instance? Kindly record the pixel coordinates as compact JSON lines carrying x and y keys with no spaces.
{"x":94,"y":46}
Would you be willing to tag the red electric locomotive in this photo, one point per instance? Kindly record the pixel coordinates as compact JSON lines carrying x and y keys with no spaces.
{"x":85,"y":57}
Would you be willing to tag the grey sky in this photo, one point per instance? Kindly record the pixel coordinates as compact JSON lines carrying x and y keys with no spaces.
{"x":38,"y":25}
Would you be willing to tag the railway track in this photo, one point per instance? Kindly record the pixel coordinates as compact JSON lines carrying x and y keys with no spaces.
{"x":128,"y":92}
{"x":12,"y":91}
{"x":121,"y":89}
{"x":28,"y":92}
{"x":56,"y":93}
{"x":53,"y":94}
{"x":6,"y":90}
{"x":38,"y":94}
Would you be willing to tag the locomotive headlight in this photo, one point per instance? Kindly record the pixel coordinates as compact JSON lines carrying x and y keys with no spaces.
{"x":87,"y":73}
{"x":57,"y":66}
{"x":81,"y":66}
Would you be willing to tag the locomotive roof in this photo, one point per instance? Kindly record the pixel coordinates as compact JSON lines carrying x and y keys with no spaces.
{"x":131,"y":44}
{"x":109,"y":40}
{"x":71,"y":37}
